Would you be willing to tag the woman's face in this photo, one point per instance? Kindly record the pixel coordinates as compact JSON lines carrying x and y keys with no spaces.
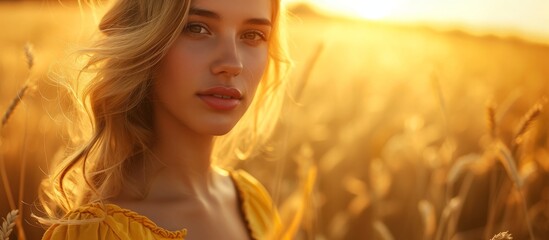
{"x":209,"y":76}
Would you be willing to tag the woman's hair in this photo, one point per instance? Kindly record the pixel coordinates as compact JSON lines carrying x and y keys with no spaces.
{"x":134,"y":37}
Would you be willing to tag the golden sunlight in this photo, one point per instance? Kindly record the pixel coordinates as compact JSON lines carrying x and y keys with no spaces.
{"x":402,"y":119}
{"x":365,"y":9}
{"x":526,"y":18}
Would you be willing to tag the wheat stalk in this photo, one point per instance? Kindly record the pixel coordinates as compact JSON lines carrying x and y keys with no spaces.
{"x":427,"y":212}
{"x":435,"y":81}
{"x":502,"y":236}
{"x":525,"y":125}
{"x":5,"y":181}
{"x":8,"y":224}
{"x":382,"y":230}
{"x":11,"y":108}
{"x":29,"y":55}
{"x":509,"y":163}
{"x":9,"y":112}
{"x":308,"y":70}
{"x":449,"y":210}
{"x":491,"y":117}
{"x":14,"y":103}
{"x":512,"y":171}
{"x":21,"y":93}
{"x":22,"y":175}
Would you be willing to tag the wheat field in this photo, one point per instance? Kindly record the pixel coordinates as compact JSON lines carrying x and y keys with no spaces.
{"x":408,"y":132}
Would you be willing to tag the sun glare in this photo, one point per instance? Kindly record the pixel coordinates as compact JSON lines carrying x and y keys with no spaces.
{"x":527,"y":17}
{"x":370,"y":9}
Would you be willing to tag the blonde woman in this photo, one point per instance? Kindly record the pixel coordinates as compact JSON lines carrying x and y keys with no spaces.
{"x":169,"y":78}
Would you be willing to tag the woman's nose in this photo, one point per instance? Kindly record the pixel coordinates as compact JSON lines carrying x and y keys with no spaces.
{"x":228,"y":61}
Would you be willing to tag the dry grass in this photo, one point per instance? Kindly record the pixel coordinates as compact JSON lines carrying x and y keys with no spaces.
{"x":387,"y":135}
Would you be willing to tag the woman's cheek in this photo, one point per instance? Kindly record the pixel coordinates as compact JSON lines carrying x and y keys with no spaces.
{"x":258,"y":62}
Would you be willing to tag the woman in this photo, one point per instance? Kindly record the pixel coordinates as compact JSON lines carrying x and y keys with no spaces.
{"x":168,"y":78}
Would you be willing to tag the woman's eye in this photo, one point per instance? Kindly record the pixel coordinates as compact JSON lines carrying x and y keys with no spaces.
{"x":196,"y":29}
{"x":254,"y":36}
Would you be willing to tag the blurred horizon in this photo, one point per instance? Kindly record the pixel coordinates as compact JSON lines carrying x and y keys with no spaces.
{"x":523,"y":19}
{"x":503,"y":18}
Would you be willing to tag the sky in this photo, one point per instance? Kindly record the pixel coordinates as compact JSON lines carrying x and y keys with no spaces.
{"x":518,"y":17}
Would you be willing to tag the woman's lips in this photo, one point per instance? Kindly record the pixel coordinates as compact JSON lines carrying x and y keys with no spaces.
{"x":221,"y":98}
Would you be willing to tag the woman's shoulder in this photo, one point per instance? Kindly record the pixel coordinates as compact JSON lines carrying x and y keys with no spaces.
{"x":107,"y":221}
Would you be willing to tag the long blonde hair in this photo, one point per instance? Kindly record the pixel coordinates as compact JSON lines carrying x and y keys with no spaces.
{"x":134,"y":37}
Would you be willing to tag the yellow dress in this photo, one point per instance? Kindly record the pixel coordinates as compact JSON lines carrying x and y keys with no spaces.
{"x":118,"y":223}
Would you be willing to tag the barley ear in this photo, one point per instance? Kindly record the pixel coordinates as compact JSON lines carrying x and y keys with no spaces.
{"x":8,"y":224}
{"x":502,"y":236}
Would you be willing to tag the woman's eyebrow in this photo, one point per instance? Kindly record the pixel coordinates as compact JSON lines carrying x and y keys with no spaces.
{"x":259,"y":21}
{"x":210,"y":14}
{"x":204,"y":13}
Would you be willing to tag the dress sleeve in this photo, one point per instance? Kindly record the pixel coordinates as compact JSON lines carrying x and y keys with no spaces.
{"x":261,"y":213}
{"x":82,"y":224}
{"x":106,"y":222}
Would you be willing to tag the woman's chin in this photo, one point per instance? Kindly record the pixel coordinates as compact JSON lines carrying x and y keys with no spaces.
{"x":220,"y":130}
{"x":220,"y":134}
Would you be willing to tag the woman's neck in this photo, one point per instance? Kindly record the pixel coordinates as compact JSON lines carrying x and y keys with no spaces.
{"x":184,"y":153}
{"x":183,"y":162}
{"x":180,"y":163}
